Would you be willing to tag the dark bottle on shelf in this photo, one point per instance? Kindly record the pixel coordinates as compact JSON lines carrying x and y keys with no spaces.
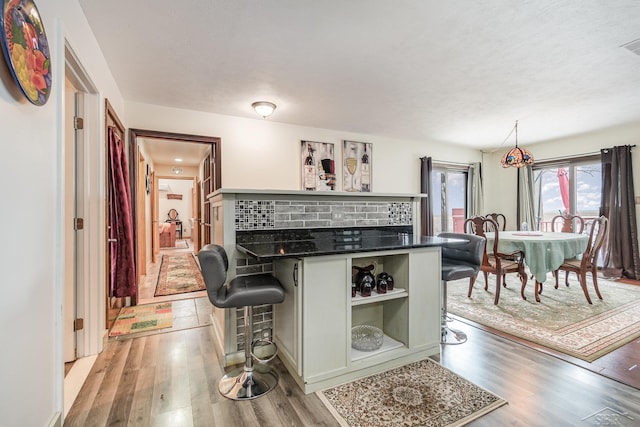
{"x":366,"y":286}
{"x":381,"y":283}
{"x":389,"y":282}
{"x":365,"y":172}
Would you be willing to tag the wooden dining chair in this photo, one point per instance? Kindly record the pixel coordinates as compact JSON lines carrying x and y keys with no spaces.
{"x":494,"y":261}
{"x":566,"y":223}
{"x":499,"y":218}
{"x":589,"y":260}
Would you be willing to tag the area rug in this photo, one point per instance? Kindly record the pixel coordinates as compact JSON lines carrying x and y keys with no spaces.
{"x":182,"y":244}
{"x":179,"y":274}
{"x":422,"y":393}
{"x":142,"y":318}
{"x":562,"y":320}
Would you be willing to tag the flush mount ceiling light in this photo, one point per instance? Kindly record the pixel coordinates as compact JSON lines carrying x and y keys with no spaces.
{"x":516,"y":157}
{"x":264,"y":108}
{"x":176,"y":170}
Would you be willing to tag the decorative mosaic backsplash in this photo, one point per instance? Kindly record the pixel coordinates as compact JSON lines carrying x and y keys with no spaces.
{"x":275,"y":214}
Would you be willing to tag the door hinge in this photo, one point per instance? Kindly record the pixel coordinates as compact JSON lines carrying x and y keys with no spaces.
{"x":78,"y":223}
{"x":78,"y":324}
{"x":78,"y":123}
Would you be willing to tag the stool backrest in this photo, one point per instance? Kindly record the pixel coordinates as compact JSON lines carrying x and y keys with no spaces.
{"x":470,"y":251}
{"x":213,"y":264}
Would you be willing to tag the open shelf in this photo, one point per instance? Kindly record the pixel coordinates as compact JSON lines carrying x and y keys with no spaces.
{"x":376,"y":297}
{"x":388,"y":343}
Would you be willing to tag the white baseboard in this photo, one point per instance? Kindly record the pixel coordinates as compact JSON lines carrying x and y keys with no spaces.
{"x":56,"y":420}
{"x":74,"y":380}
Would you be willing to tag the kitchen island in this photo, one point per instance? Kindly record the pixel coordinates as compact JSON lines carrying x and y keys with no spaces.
{"x":311,"y":241}
{"x":312,"y":327}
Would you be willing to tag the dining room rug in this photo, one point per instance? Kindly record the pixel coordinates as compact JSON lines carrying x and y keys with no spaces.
{"x":562,"y":320}
{"x":179,"y":273}
{"x":423,"y":393}
{"x":142,"y":318}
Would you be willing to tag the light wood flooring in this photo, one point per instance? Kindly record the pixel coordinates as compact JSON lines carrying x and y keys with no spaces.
{"x":171,"y":379}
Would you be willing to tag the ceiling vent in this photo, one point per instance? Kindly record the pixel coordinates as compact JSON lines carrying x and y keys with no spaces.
{"x":633,"y":46}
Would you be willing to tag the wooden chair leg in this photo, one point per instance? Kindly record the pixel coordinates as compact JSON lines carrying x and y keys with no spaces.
{"x":472,"y":281}
{"x":486,"y":280}
{"x":498,"y":280}
{"x":566,"y":278}
{"x":594,"y":274}
{"x":583,"y":283}
{"x":556,"y":273}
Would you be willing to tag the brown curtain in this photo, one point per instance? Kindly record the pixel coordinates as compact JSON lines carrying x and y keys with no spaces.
{"x":621,"y":255}
{"x":426,"y":204}
{"x":122,"y":282}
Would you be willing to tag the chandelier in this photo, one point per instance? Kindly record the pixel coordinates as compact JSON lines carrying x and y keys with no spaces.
{"x":517,"y":157}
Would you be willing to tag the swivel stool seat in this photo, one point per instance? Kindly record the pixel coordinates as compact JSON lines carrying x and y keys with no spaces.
{"x":249,"y":381}
{"x":459,"y":260}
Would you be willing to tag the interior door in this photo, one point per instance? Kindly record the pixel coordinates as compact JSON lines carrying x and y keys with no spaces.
{"x":72,"y":140}
{"x":155,"y":232}
{"x":141,"y":214}
{"x":195,"y":209}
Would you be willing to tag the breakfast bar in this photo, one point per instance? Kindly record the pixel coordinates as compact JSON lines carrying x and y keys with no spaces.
{"x":316,"y":267}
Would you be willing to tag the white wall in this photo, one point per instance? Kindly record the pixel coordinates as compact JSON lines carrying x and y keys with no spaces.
{"x":31,"y":366}
{"x":500,"y":184}
{"x":184,"y":207}
{"x":264,"y":154}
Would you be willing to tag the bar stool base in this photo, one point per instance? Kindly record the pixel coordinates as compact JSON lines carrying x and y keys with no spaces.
{"x":243,"y":384}
{"x":451,"y":336}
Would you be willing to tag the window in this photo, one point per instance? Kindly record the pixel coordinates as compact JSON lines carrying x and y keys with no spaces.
{"x":449,"y":198}
{"x":570,"y":186}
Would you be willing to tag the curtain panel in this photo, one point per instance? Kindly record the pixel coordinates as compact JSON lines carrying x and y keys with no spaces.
{"x":475,"y":205}
{"x":526,"y":211}
{"x":621,"y":255}
{"x":426,"y":204}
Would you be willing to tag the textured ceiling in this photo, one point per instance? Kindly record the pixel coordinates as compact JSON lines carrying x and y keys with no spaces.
{"x":459,"y":72}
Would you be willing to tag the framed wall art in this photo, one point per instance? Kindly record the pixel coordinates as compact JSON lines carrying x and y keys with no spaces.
{"x":318,"y":166}
{"x":357,"y":159}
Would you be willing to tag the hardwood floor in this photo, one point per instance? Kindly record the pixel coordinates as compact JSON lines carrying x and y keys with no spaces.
{"x":171,"y":379}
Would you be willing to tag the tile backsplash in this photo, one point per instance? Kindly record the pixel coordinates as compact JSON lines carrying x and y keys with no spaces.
{"x":276,"y":214}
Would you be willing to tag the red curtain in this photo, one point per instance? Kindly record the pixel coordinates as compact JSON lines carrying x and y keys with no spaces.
{"x":123,"y":276}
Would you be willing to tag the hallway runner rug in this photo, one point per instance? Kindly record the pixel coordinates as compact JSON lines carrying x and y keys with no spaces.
{"x":182,"y":244}
{"x":142,"y":318}
{"x":562,"y":320}
{"x":422,"y":393}
{"x":179,"y":274}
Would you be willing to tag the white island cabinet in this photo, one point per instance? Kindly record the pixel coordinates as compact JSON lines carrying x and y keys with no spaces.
{"x":312,"y":328}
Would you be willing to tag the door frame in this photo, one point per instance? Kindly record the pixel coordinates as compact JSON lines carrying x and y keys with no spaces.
{"x":215,"y":149}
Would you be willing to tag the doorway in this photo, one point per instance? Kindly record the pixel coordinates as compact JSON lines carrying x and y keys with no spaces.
{"x":154,"y":155}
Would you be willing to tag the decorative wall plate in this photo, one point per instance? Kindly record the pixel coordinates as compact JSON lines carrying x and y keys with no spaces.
{"x":26,"y":49}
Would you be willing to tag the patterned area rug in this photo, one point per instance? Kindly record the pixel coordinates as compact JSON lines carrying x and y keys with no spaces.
{"x":142,"y":318}
{"x":562,"y":321}
{"x":179,"y":274}
{"x":423,"y":393}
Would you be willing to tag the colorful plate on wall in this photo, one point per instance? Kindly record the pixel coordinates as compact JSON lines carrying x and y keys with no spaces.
{"x":26,"y":49}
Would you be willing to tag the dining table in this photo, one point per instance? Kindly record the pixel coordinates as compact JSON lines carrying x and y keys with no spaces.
{"x":543,"y":252}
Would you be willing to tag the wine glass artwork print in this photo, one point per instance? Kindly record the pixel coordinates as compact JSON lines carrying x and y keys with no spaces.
{"x":318,"y":166}
{"x":357,"y":166}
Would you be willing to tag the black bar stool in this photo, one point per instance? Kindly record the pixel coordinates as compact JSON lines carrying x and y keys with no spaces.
{"x":249,"y":381}
{"x":459,"y":260}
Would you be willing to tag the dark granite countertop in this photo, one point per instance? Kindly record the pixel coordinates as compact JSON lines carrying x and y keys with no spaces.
{"x":293,"y":243}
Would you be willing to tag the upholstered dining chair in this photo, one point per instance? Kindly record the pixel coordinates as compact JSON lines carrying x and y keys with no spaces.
{"x":494,"y":261}
{"x":588,"y":262}
{"x":499,"y":218}
{"x":567,"y":224}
